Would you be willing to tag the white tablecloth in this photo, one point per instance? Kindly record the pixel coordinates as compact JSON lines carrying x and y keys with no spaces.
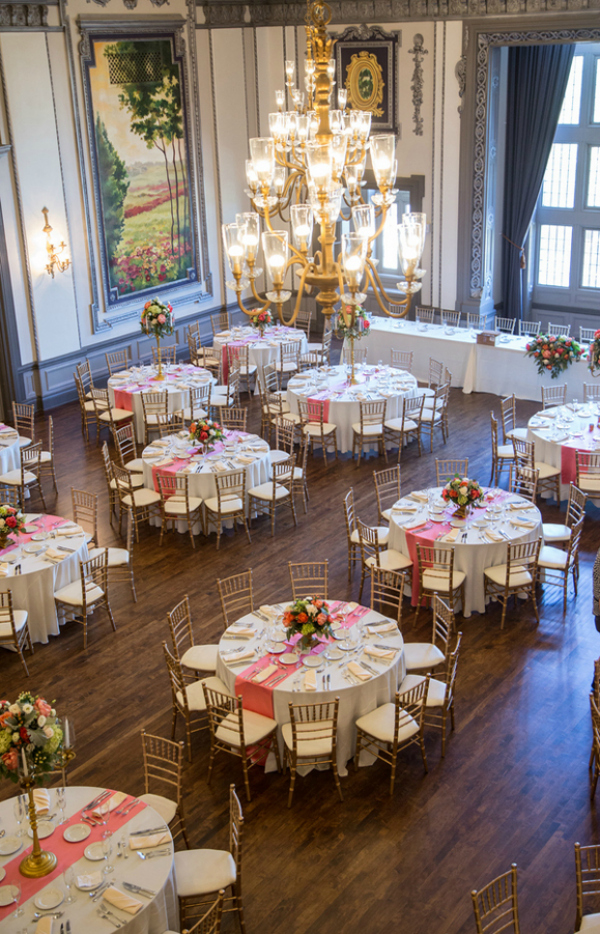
{"x":355,"y":699}
{"x":331,"y":384}
{"x":475,"y":554}
{"x":157,"y":915}
{"x":550,"y":435}
{"x":179,"y":380}
{"x":260,"y":351}
{"x":33,"y":590}
{"x":10,"y":453}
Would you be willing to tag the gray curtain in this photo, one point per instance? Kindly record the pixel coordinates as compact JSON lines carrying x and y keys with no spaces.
{"x":537,"y":79}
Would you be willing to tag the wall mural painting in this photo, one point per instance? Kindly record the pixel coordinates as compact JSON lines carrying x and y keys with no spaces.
{"x":141,"y":162}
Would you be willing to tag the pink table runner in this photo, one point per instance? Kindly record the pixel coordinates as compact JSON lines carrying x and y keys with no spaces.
{"x":180,"y":462}
{"x":67,"y":854}
{"x":123,"y":395}
{"x":568,"y":466}
{"x":44,"y":524}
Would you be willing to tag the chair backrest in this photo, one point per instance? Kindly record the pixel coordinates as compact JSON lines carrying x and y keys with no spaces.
{"x":522,"y":557}
{"x":387,"y":591}
{"x":436,"y":372}
{"x":23,"y":419}
{"x":10,"y":496}
{"x":558,"y":329}
{"x":285,"y":430}
{"x":315,"y":723}
{"x":168,"y":354}
{"x":193,"y":330}
{"x":220,"y":322}
{"x":311,"y":410}
{"x":100,"y":400}
{"x":180,"y":627}
{"x":178,"y":685}
{"x":591,"y":392}
{"x":236,"y":829}
{"x":438,"y":561}
{"x":524,"y":481}
{"x":587,"y":860}
{"x":199,"y":399}
{"x":238,"y":356}
{"x":122,"y":480}
{"x":303,"y":319}
{"x":174,"y":487}
{"x":402,"y":359}
{"x":575,"y":541}
{"x":154,"y":403}
{"x":117,"y":360}
{"x":554,"y":395}
{"x":372,"y":413}
{"x":349,"y":512}
{"x":531,"y":328}
{"x":575,"y":505}
{"x":163,"y":766}
{"x":309,"y":579}
{"x":209,"y":923}
{"x":360,"y":354}
{"x":124,"y":438}
{"x":85,"y":511}
{"x":586,"y":334}
{"x":446,"y":468}
{"x":476,"y":320}
{"x":289,"y":352}
{"x":94,"y":575}
{"x":494,"y":427}
{"x":225,"y":715}
{"x":31,"y":458}
{"x":231,"y":485}
{"x":506,"y":325}
{"x":236,"y":596}
{"x":108,"y":471}
{"x":387,"y":488}
{"x":326,"y":346}
{"x":409,"y":708}
{"x":234,"y":418}
{"x":524,"y":452}
{"x":449,"y":676}
{"x":426,"y":315}
{"x":51,"y":435}
{"x":84,"y":373}
{"x":508,"y":413}
{"x":194,"y":347}
{"x":369,"y":541}
{"x":412,"y":410}
{"x":233,"y":385}
{"x":282,"y":473}
{"x":7,"y":617}
{"x":495,"y":906}
{"x":450,"y":318}
{"x":587,"y":465}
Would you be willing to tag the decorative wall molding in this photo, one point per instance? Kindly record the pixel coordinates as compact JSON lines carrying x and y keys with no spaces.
{"x":23,"y":15}
{"x":460,"y":72}
{"x":418,"y":53}
{"x":228,"y":13}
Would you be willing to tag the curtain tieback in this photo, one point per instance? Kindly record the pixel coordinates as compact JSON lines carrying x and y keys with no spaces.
{"x":523,"y":260}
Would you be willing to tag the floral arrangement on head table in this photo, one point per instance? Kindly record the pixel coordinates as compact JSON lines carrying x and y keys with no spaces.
{"x":30,"y":724}
{"x":594,"y":354}
{"x":157,"y":318}
{"x":553,"y":354}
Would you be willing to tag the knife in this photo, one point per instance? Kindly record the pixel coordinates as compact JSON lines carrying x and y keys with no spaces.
{"x":129,"y":807}
{"x":139,"y":890}
{"x":68,"y":927}
{"x":96,"y":801}
{"x":368,"y":667}
{"x":141,"y":833}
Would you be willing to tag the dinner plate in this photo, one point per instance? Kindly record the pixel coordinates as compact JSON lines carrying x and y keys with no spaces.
{"x":333,"y":654}
{"x":290,"y":658}
{"x":48,"y":899}
{"x":278,"y":637}
{"x":480,"y":523}
{"x":77,"y":832}
{"x":94,"y":885}
{"x":458,"y":523}
{"x":45,"y":829}
{"x":94,"y":851}
{"x":34,"y":549}
{"x":339,"y":634}
{"x":312,"y":661}
{"x":9,"y":845}
{"x":275,"y":648}
{"x":7,"y":895}
{"x":30,"y":528}
{"x":347,"y":646}
{"x":2,"y":874}
{"x":39,"y":537}
{"x":437,"y":517}
{"x":11,"y":557}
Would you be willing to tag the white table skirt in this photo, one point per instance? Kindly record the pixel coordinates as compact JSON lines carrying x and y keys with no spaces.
{"x":473,"y":556}
{"x":355,"y":699}
{"x":454,"y":350}
{"x":10,"y":456}
{"x":549,"y":451}
{"x":261,"y":352}
{"x":157,"y":915}
{"x":344,"y":412}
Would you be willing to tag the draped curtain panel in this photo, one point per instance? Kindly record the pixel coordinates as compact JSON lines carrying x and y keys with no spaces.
{"x":537,"y":80}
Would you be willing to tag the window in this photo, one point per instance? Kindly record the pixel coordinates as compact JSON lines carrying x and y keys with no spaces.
{"x":566,"y":225}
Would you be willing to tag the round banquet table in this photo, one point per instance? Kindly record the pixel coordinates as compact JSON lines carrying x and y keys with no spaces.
{"x":10,"y":449}
{"x":503,"y":514}
{"x":356,"y":697}
{"x":33,"y":589}
{"x":331,"y":385}
{"x":561,"y":431}
{"x":125,"y":389}
{"x":261,"y":350}
{"x":176,"y":454}
{"x":157,"y":914}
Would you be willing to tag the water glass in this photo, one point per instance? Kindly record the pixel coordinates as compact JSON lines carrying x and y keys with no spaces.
{"x":69,"y":879}
{"x":107,"y":850}
{"x":20,"y":812}
{"x":16,"y":887}
{"x":61,"y":800}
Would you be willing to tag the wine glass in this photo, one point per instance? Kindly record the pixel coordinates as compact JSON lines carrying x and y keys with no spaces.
{"x":69,"y":879}
{"x":61,"y":802}
{"x":107,"y":850}
{"x":16,"y":887}
{"x":20,"y":812}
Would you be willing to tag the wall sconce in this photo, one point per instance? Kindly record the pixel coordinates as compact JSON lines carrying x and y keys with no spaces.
{"x":54,"y":252}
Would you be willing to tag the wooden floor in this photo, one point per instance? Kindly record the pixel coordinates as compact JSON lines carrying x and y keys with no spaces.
{"x":512,"y":787}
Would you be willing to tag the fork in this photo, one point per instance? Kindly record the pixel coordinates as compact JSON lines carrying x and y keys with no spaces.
{"x":161,"y":852}
{"x":46,"y":914}
{"x":103,"y":914}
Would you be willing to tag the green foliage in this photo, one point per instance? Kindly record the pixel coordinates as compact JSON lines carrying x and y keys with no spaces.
{"x":114,"y":184}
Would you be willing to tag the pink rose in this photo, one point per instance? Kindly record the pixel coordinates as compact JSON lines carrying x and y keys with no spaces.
{"x":43,"y":707}
{"x":161,"y":319}
{"x":546,"y":353}
{"x":11,"y":759}
{"x":322,"y":619}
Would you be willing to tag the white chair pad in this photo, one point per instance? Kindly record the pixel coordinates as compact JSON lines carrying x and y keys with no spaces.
{"x":314,"y":428}
{"x":13,"y":477}
{"x":498,"y":576}
{"x":179,"y":508}
{"x":256,"y":727}
{"x":436,"y":693}
{"x":585,"y":483}
{"x":389,"y":560}
{"x":589,"y":921}
{"x":555,"y":533}
{"x":275,"y":410}
{"x":367,"y":429}
{"x":379,"y":723}
{"x":117,"y":557}
{"x":137,"y":481}
{"x":310,"y":743}
{"x":396,"y":424}
{"x":135,"y":466}
{"x":45,"y":457}
{"x":546,"y":470}
{"x":72,"y":595}
{"x":195,"y":692}
{"x":198,"y":872}
{"x":276,"y":457}
{"x":265,"y":491}
{"x":20,"y":618}
{"x":554,"y":558}
{"x":199,"y":413}
{"x":506,"y":450}
{"x":419,"y":655}
{"x":433,"y":582}
{"x":142,"y":497}
{"x":118,"y":415}
{"x":517,"y":433}
{"x":229,"y":505}
{"x":200,"y":657}
{"x":383,"y":535}
{"x":165,"y":807}
{"x":430,"y":416}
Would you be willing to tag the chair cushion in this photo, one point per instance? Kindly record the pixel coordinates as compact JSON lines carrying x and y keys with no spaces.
{"x":178,"y":508}
{"x":367,"y":429}
{"x":554,"y":558}
{"x":585,"y":483}
{"x":117,"y":557}
{"x":379,"y":723}
{"x":383,"y":535}
{"x":228,"y":505}
{"x":195,"y":692}
{"x":165,"y":807}
{"x":588,"y":921}
{"x":13,"y":477}
{"x":433,"y":581}
{"x":265,"y":491}
{"x":198,"y":872}
{"x":436,"y":692}
{"x":389,"y":560}
{"x":45,"y":457}
{"x":118,"y":415}
{"x":276,"y":457}
{"x":200,"y":657}
{"x":310,"y":743}
{"x":142,"y":497}
{"x":555,"y":533}
{"x":517,"y":433}
{"x":135,"y":466}
{"x":72,"y":595}
{"x":506,"y":450}
{"x":314,"y":428}
{"x":419,"y":655}
{"x":256,"y":727}
{"x":285,"y":408}
{"x":199,"y":413}
{"x":546,"y":470}
{"x":20,"y":618}
{"x":518,"y":578}
{"x":395,"y":424}
{"x":430,"y":416}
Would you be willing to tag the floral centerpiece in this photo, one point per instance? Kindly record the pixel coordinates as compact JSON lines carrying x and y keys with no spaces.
{"x":554,"y":354}
{"x":29,"y":725}
{"x":462,"y":492}
{"x":361,"y":325}
{"x":158,"y":319}
{"x":12,"y":521}
{"x":206,"y":432}
{"x":261,"y":320}
{"x":594,"y":355}
{"x":309,"y":617}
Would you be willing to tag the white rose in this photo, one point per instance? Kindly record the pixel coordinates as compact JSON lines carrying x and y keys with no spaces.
{"x":27,"y":708}
{"x":463,"y":490}
{"x":311,"y":610}
{"x":14,"y":709}
{"x":41,"y":720}
{"x":53,"y":712}
{"x":15,"y":737}
{"x":48,"y":732}
{"x":2,"y":523}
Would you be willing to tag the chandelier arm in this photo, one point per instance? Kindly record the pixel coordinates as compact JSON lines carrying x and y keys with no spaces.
{"x":257,"y":297}
{"x":379,"y":290}
{"x":384,"y":211}
{"x":298,"y":299}
{"x":251,"y":311}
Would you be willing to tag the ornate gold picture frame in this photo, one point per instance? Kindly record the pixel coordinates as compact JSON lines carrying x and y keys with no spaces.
{"x":366,"y":66}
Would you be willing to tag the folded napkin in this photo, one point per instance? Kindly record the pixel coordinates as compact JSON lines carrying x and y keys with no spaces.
{"x":408,"y":507}
{"x":125,"y":902}
{"x":520,"y":506}
{"x":53,"y":555}
{"x":265,"y":674}
{"x":191,"y":468}
{"x":161,"y":443}
{"x":523,"y":523}
{"x":359,"y":672}
{"x":240,"y":631}
{"x":90,"y":880}
{"x":271,"y":611}
{"x":495,"y":536}
{"x":374,"y":652}
{"x":44,"y":925}
{"x":383,"y":627}
{"x":415,"y":524}
{"x":164,"y":462}
{"x":547,"y":413}
{"x":220,"y":466}
{"x":452,"y":535}
{"x":310,"y":680}
{"x":229,"y":657}
{"x":245,"y":458}
{"x":419,"y":496}
{"x":70,"y":530}
{"x":41,"y":799}
{"x":149,"y":840}
{"x":5,"y":569}
{"x":152,"y":452}
{"x":113,"y":802}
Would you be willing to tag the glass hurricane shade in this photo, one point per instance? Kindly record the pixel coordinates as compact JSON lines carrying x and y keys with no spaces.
{"x":232,"y":241}
{"x":276,"y":250}
{"x":262,"y":152}
{"x":383,"y":149}
{"x":363,"y":217}
{"x":302,"y":226}
{"x":249,"y":236}
{"x":320,"y":164}
{"x":354,"y":254}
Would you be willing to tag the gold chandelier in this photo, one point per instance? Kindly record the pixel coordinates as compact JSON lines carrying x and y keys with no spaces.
{"x":297,"y":174}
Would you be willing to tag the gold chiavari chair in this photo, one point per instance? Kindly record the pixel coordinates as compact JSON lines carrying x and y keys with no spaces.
{"x":360,"y":355}
{"x":387,"y":592}
{"x":448,"y":468}
{"x":425,"y":315}
{"x":14,"y":630}
{"x":375,"y":554}
{"x":192,"y":656}
{"x":427,"y":656}
{"x":235,"y":418}
{"x":523,"y":481}
{"x":387,"y":490}
{"x":548,"y":476}
{"x":200,"y":873}
{"x":139,"y":503}
{"x":517,"y":576}
{"x":303,"y":320}
{"x":399,"y":431}
{"x":106,"y":415}
{"x":229,"y":505}
{"x":435,"y":413}
{"x":595,"y":756}
{"x":10,"y":496}
{"x":171,"y":423}
{"x":387,"y":730}
{"x":587,"y":885}
{"x":153,"y":405}
{"x":209,"y":923}
{"x":563,"y":330}
{"x":495,"y":907}
{"x":508,"y":414}
{"x":451,"y":319}
{"x":199,"y":403}
{"x":127,"y":452}
{"x":84,"y":374}
{"x":168,"y":354}
{"x":310,"y":738}
{"x":163,"y":770}
{"x":226,"y":396}
{"x":351,"y":531}
{"x":476,"y":321}
{"x":402,"y":359}
{"x":504,"y":325}
{"x":314,"y":427}
{"x":437,"y":576}
{"x":370,"y":428}
{"x":176,"y":504}
{"x":188,"y":699}
{"x":205,"y":357}
{"x":239,"y":357}
{"x":47,"y":462}
{"x":435,"y":377}
{"x":591,"y":392}
{"x":309,"y":579}
{"x":236,"y":596}
{"x":116,"y":361}
{"x":556,"y":563}
{"x":120,"y":561}
{"x":276,"y":492}
{"x":289,"y":359}
{"x":248,"y":735}
{"x":24,"y":422}
{"x":111,"y":484}
{"x":503,"y":455}
{"x":82,"y":597}
{"x":588,"y":473}
{"x":530,"y":328}
{"x":27,"y":476}
{"x":440,"y":696}
{"x":553,"y":395}
{"x":86,"y":407}
{"x":220,"y":322}
{"x":556,"y":534}
{"x":85,"y":513}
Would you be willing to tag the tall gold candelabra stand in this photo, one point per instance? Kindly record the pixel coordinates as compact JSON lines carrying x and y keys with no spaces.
{"x":39,"y":862}
{"x":160,"y":375}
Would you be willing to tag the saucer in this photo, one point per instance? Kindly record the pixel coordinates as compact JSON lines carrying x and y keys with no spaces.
{"x":77,"y":832}
{"x":45,"y":829}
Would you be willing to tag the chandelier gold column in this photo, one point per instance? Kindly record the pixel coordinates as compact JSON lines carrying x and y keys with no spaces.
{"x":297,"y":174}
